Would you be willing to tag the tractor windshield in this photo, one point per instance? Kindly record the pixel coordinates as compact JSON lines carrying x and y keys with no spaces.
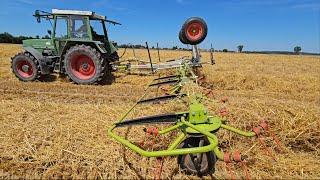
{"x":79,"y":27}
{"x":61,"y":30}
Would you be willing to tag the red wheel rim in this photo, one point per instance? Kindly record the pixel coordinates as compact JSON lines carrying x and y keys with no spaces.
{"x":194,"y":31}
{"x":82,"y":67}
{"x":24,"y":69}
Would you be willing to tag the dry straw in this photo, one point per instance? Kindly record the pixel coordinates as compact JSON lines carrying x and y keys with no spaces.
{"x":57,"y":129}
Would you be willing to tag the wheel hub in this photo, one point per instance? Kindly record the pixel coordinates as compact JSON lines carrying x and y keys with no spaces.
{"x":194,"y":163}
{"x":85,"y":66}
{"x":25,"y":68}
{"x":82,"y":67}
{"x":195,"y":31}
{"x":200,"y":163}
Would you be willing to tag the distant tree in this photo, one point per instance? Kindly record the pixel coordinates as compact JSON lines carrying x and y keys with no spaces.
{"x":297,"y":49}
{"x":37,"y":36}
{"x":6,"y":38}
{"x":139,"y":46}
{"x":225,"y":50}
{"x":174,"y":47}
{"x":240,"y":47}
{"x":125,"y":46}
{"x":46,"y":37}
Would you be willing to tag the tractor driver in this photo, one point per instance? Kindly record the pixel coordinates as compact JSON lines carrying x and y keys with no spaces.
{"x":80,"y":32}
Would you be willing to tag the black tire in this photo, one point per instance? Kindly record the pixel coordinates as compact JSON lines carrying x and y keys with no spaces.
{"x":200,"y":28}
{"x":114,"y":57}
{"x":108,"y":78}
{"x":190,"y":162}
{"x":25,"y":67}
{"x":182,"y":38}
{"x":84,"y":64}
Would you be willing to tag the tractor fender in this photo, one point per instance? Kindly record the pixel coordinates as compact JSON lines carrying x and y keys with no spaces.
{"x":90,"y":43}
{"x":34,"y":52}
{"x":101,"y":49}
{"x":39,"y":57}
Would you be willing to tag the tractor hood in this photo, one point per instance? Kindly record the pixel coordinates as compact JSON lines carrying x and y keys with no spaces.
{"x":38,"y":44}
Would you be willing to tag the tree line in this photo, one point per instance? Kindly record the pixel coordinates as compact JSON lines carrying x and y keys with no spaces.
{"x":8,"y":38}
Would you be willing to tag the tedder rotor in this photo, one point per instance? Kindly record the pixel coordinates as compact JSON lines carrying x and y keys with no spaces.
{"x":196,"y":145}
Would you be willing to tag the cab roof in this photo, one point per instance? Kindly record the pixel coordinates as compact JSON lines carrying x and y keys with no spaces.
{"x":92,"y":15}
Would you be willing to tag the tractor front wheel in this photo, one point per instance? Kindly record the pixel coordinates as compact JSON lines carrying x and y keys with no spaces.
{"x":84,"y":64}
{"x":200,"y":164}
{"x":25,"y":67}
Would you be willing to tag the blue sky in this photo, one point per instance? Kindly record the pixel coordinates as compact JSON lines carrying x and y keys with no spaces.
{"x":257,"y":24}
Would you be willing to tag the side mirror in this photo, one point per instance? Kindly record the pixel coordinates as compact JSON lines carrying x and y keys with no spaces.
{"x":49,"y":32}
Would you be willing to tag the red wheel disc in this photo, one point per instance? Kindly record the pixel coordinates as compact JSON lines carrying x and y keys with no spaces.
{"x":82,"y":67}
{"x":194,"y":31}
{"x":24,"y":69}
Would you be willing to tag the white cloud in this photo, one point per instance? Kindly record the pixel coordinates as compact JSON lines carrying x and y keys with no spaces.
{"x":180,"y":1}
{"x":312,"y":5}
{"x":28,"y":2}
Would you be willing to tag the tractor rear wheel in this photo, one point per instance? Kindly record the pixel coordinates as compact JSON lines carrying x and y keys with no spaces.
{"x":194,"y":30}
{"x":84,"y":64}
{"x":200,"y":164}
{"x":25,"y":67}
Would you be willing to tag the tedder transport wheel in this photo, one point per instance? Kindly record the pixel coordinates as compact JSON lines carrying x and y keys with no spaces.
{"x":200,"y":164}
{"x":182,"y":38}
{"x":25,"y":67}
{"x":84,"y":64}
{"x":194,"y":31}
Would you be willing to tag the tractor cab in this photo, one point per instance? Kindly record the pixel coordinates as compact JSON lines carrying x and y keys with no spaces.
{"x":72,"y":25}
{"x":80,"y":23}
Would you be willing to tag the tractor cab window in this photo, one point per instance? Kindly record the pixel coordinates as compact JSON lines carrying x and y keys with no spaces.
{"x":79,"y":27}
{"x":97,"y":30}
{"x":61,"y":30}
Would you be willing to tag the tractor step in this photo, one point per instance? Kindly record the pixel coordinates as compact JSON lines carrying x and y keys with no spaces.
{"x":56,"y":67}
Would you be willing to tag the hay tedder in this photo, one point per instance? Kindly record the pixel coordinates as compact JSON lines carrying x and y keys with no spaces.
{"x":196,"y":144}
{"x":193,"y":32}
{"x":76,"y":50}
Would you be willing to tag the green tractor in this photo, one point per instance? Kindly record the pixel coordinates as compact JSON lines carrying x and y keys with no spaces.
{"x":75,"y":48}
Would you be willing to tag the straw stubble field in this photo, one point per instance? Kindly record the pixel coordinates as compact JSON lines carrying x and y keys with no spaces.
{"x":53,"y":128}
